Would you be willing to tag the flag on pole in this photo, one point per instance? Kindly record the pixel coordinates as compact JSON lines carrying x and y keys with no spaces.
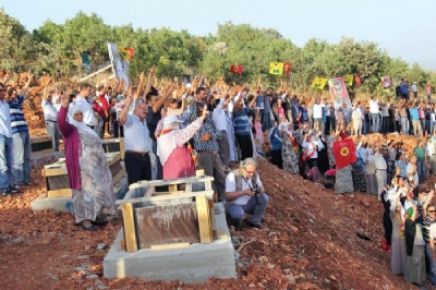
{"x":319,"y":83}
{"x":276,"y":68}
{"x":287,"y":67}
{"x":119,"y":65}
{"x":357,"y":80}
{"x":236,"y":69}
{"x":349,"y":80}
{"x":339,"y":92}
{"x":86,"y":61}
{"x":344,"y":152}
{"x":127,"y":53}
{"x":386,"y":82}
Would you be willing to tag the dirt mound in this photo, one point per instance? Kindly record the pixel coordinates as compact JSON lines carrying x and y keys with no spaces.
{"x":309,"y":242}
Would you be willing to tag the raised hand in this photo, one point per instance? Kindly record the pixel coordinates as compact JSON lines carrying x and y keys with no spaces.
{"x":65,"y":100}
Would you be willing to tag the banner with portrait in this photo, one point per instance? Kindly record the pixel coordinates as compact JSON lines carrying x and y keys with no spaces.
{"x":338,"y":90}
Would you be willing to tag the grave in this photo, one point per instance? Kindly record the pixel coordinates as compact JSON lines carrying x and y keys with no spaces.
{"x":172,"y":230}
{"x":57,"y":185}
{"x":114,"y":145}
{"x":188,"y":262}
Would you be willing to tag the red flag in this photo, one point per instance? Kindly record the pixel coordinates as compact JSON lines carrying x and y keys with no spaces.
{"x":240,"y":69}
{"x":357,"y":81}
{"x":128,"y":53}
{"x":344,"y":152}
{"x":287,"y":68}
{"x":237,"y":69}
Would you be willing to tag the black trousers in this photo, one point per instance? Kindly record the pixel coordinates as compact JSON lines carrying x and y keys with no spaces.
{"x":246,"y":146}
{"x":138,"y":166}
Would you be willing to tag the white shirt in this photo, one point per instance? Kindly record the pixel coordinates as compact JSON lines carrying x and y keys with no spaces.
{"x":5,"y":119}
{"x":309,"y":148}
{"x":136,"y":135}
{"x":219,"y":117}
{"x":317,"y":111}
{"x":373,"y":107}
{"x":50,"y":111}
{"x":380,"y":162}
{"x":246,"y":184}
{"x":433,"y":231}
{"x":88,"y":116}
{"x":357,"y":114}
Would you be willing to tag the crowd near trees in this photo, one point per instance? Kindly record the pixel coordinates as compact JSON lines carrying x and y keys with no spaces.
{"x":56,"y":49}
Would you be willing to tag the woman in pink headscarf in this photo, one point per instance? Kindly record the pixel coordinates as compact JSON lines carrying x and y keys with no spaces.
{"x":174,"y":155}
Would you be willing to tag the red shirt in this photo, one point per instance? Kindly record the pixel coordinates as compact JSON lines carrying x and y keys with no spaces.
{"x":101,"y":106}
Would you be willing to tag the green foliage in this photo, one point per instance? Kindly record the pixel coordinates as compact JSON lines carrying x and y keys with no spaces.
{"x":56,"y":49}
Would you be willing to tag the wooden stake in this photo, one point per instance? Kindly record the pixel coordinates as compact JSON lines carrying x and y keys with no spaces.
{"x":204,"y":223}
{"x":129,"y":227}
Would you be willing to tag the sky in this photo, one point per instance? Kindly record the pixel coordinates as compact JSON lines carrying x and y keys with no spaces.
{"x":403,"y":28}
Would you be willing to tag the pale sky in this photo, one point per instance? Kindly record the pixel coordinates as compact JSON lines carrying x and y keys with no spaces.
{"x":403,"y":28}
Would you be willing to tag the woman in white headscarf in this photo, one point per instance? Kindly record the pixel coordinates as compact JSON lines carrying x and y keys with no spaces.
{"x":87,"y":167}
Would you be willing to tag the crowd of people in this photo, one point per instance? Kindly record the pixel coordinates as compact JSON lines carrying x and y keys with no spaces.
{"x":172,"y":129}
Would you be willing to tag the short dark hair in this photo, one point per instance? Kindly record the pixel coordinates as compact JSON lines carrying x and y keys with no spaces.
{"x":152,"y":93}
{"x":199,"y":90}
{"x":84,"y":86}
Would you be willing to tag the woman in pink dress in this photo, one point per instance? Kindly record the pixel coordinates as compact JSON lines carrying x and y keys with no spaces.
{"x":175,"y":157}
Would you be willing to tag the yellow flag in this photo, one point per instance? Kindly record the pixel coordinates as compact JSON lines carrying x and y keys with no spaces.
{"x":349,"y":80}
{"x":276,"y":68}
{"x":319,"y":83}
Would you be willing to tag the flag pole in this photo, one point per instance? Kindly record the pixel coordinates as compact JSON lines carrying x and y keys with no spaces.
{"x":96,"y":73}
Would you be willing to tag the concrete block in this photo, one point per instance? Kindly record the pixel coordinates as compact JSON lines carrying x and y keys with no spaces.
{"x":192,"y":264}
{"x":60,"y":204}
{"x":64,"y":204}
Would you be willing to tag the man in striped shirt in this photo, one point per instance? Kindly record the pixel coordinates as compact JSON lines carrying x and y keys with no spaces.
{"x":21,"y":144}
{"x":5,"y":144}
{"x":206,"y":143}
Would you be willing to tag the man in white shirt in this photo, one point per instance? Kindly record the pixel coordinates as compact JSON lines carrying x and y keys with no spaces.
{"x":374,"y":110}
{"x":357,"y":120}
{"x":81,"y":99}
{"x":380,"y":171}
{"x":219,"y":117}
{"x":138,"y":144}
{"x":5,"y":145}
{"x":50,"y":116}
{"x":317,"y":115}
{"x":245,"y":194}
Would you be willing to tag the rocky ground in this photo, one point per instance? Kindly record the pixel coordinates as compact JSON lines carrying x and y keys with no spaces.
{"x":310,"y":242}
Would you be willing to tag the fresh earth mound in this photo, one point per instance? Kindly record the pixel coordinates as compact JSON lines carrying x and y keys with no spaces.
{"x":309,"y":242}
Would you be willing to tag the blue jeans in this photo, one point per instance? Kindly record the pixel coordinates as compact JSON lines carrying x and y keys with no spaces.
{"x":432,"y":265}
{"x":255,"y":206}
{"x":5,"y":162}
{"x":421,"y":169}
{"x":375,"y":122}
{"x":21,"y":160}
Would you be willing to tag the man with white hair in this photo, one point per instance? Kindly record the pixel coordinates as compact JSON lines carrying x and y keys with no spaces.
{"x":245,"y":195}
{"x":138,"y":144}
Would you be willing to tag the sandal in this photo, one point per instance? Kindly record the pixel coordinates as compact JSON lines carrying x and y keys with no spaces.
{"x":100,"y":222}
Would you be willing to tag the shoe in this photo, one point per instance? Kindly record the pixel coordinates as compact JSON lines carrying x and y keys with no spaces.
{"x":237,"y":223}
{"x":88,"y":226}
{"x":14,"y":189}
{"x":5,"y":193}
{"x":101,"y":222}
{"x":255,"y":225}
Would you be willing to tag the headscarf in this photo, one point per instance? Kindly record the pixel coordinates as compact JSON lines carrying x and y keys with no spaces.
{"x":80,"y":126}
